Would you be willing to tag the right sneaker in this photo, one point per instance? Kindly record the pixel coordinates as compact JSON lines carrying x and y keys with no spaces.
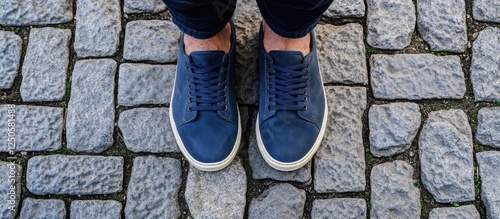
{"x":203,"y":111}
{"x":293,"y":110}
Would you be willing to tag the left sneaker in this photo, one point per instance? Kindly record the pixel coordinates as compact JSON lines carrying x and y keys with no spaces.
{"x":292,"y":109}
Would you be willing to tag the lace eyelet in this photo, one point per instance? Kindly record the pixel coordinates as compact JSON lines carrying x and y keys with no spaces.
{"x":305,"y":99}
{"x":189,"y":109}
{"x":225,"y":99}
{"x":225,"y":107}
{"x":268,"y":107}
{"x":189,"y":100}
{"x":305,"y":108}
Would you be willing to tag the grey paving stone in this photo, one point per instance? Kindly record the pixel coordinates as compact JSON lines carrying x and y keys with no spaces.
{"x":153,"y":187}
{"x":390,"y":23}
{"x":346,"y":8}
{"x":339,"y":208}
{"x":341,"y":54}
{"x":417,"y":76}
{"x":279,"y":201}
{"x":218,"y":194}
{"x":10,"y":56}
{"x":488,"y":127}
{"x":151,"y":40}
{"x":74,"y":174}
{"x":393,"y":194}
{"x":102,"y":209}
{"x":45,"y":65}
{"x":446,"y":160}
{"x":37,"y":128}
{"x":393,"y":127}
{"x":143,"y":6}
{"x":261,"y":170}
{"x":485,"y":65}
{"x":10,"y":187}
{"x":340,"y":161}
{"x":247,"y":21}
{"x":147,"y":130}
{"x":91,"y":108}
{"x":442,"y":24}
{"x":486,"y":10}
{"x":462,"y":212}
{"x":489,"y":164}
{"x":145,"y":84}
{"x":98,"y":27}
{"x":43,"y":209}
{"x":23,"y":13}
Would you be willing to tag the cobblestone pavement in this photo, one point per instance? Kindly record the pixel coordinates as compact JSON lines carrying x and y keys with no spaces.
{"x":414,"y":118}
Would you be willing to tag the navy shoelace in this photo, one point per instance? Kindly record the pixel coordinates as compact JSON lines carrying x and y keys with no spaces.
{"x":288,"y":87}
{"x":207,"y":86}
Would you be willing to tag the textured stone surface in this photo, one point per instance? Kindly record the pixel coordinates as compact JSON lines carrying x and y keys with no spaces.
{"x":37,"y":128}
{"x":442,"y":24}
{"x":462,"y":212}
{"x":278,"y":201}
{"x":390,"y":23}
{"x":489,"y":164}
{"x":217,"y":194}
{"x":486,"y":10}
{"x":339,"y":208}
{"x":485,"y":65}
{"x":340,"y":161}
{"x":10,"y":188}
{"x":446,"y":160}
{"x":10,"y":56}
{"x":153,"y":187}
{"x":393,"y":194}
{"x":417,"y":76}
{"x":488,"y":127}
{"x":261,"y":170}
{"x":102,"y":209}
{"x":143,"y":6}
{"x":145,"y":84}
{"x":46,"y":64}
{"x":393,"y":127}
{"x":247,"y":21}
{"x":346,"y":8}
{"x":341,"y":54}
{"x":74,"y":175}
{"x":43,"y":209}
{"x":147,"y":130}
{"x":23,"y":12}
{"x":91,"y":110}
{"x":151,"y":40}
{"x":98,"y":27}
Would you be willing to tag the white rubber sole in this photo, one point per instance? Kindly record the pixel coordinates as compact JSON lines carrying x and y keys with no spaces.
{"x":209,"y":167}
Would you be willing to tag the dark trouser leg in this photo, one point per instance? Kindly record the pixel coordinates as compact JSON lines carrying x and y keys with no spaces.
{"x":292,"y":19}
{"x":201,"y":19}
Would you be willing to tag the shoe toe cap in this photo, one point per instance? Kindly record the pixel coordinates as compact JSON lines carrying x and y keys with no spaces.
{"x":288,"y":143}
{"x":209,"y":144}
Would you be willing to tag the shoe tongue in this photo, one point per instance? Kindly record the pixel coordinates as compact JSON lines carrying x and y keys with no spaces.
{"x":286,"y":58}
{"x":207,"y":58}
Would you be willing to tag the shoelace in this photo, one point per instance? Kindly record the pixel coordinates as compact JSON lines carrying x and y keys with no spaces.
{"x":207,"y":87}
{"x":288,"y":86}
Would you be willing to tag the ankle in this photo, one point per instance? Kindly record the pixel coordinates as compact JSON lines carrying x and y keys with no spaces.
{"x":221,"y":41}
{"x":273,"y":41}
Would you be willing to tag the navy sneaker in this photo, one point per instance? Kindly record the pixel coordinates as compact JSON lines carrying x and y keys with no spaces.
{"x":203,"y":111}
{"x":292,"y":109}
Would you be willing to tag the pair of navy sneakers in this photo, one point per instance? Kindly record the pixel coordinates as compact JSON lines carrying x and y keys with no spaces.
{"x":292,"y":108}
